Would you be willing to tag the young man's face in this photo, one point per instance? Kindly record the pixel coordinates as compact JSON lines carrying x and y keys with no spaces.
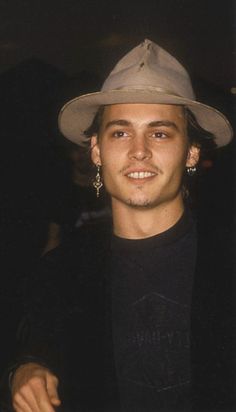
{"x":143,"y":150}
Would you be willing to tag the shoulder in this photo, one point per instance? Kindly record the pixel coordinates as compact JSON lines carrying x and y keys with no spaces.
{"x":92,"y":239}
{"x":76,"y":262}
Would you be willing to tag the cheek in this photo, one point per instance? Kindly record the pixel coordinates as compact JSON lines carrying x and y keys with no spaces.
{"x":173,"y":160}
{"x":111,"y":157}
{"x":107,"y":162}
{"x":109,"y":167}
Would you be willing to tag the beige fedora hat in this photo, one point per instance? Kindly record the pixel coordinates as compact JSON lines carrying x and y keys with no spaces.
{"x":147,"y":74}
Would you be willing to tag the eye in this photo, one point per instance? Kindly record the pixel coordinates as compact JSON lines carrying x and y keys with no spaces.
{"x":119,"y":133}
{"x":159,"y":135}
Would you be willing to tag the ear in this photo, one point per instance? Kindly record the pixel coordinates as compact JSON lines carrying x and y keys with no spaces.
{"x":95,"y":150}
{"x":193,"y":156}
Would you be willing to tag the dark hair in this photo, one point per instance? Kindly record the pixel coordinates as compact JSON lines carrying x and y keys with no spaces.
{"x":199,"y":137}
{"x":96,"y":123}
{"x":205,"y":141}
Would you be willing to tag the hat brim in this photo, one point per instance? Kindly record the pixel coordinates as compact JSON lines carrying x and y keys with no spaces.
{"x":77,"y":115}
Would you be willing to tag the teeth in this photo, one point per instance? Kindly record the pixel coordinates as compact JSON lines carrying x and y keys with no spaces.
{"x":140,"y":175}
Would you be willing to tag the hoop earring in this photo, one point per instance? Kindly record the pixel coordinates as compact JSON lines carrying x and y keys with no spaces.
{"x":191,"y":170}
{"x":97,"y":183}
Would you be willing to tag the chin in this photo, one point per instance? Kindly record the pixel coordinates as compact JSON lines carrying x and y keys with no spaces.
{"x":139,"y":203}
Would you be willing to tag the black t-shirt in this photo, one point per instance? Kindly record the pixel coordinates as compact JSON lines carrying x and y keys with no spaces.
{"x":151,"y":296}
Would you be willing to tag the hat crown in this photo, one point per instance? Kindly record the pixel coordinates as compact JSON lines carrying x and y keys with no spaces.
{"x":151,"y":67}
{"x":148,"y":75}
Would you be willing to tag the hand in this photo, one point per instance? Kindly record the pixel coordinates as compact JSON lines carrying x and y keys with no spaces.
{"x":34,"y":389}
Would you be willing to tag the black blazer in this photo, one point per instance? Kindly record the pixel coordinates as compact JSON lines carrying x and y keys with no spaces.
{"x":77,"y":304}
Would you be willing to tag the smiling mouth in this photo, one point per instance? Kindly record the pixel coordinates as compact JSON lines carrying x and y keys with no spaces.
{"x":140,"y":175}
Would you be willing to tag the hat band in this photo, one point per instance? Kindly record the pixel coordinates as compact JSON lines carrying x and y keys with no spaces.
{"x":145,"y":88}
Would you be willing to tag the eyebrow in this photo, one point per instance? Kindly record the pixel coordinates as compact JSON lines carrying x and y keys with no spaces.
{"x":155,"y":123}
{"x":118,"y":122}
{"x":166,"y":123}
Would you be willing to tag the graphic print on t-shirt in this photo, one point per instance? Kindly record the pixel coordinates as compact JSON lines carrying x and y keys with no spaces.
{"x":153,"y":343}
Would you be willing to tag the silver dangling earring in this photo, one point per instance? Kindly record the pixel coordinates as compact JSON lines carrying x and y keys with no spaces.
{"x":97,"y":183}
{"x":191,"y":170}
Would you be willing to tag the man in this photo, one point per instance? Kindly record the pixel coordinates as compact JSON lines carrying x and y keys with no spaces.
{"x":113,"y":314}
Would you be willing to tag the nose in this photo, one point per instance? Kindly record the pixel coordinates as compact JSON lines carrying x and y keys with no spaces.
{"x":139,"y":148}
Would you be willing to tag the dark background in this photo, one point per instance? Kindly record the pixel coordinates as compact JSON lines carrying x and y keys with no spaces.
{"x":51,"y":50}
{"x":76,"y":35}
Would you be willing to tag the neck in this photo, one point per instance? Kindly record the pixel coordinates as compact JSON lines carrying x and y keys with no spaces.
{"x":133,"y":223}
